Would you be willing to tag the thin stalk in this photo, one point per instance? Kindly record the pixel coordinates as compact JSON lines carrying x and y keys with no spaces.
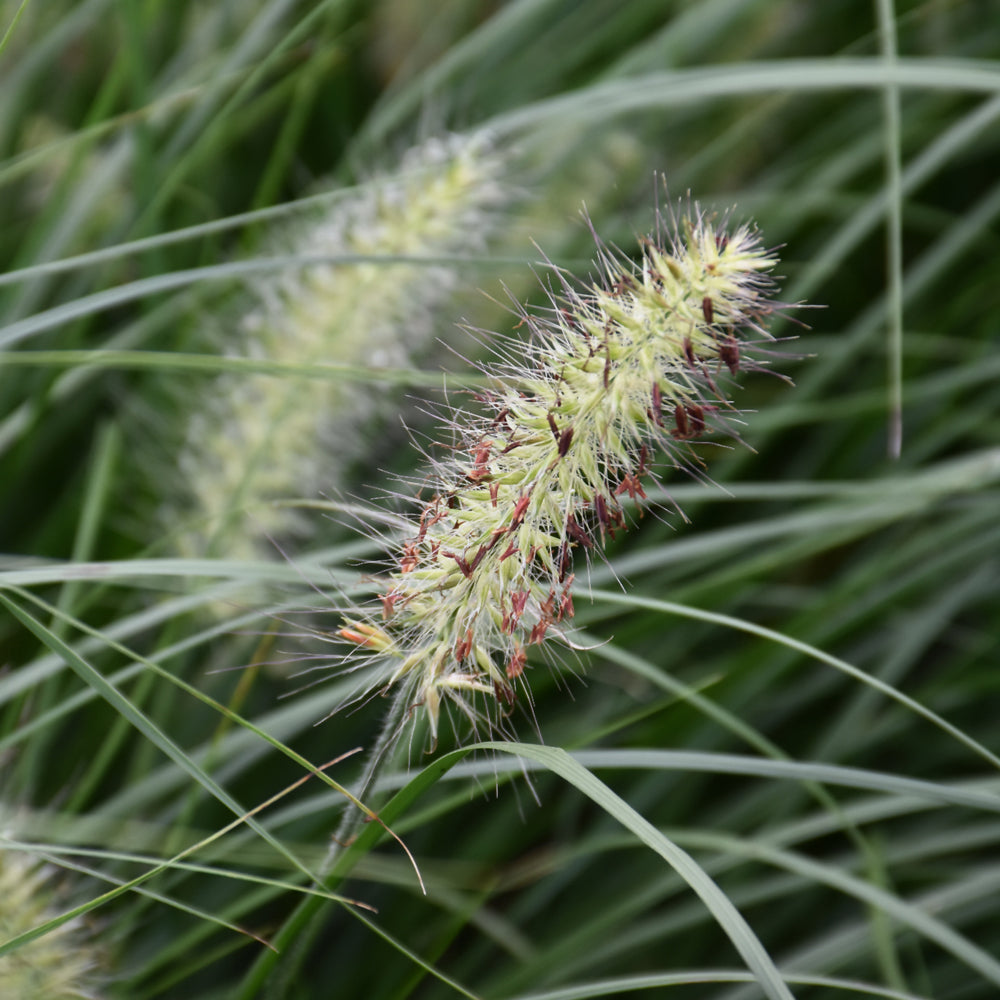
{"x":298,"y":932}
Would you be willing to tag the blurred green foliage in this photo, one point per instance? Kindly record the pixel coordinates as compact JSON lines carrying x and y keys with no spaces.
{"x":147,"y":150}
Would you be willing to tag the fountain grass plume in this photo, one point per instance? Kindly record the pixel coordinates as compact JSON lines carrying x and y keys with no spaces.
{"x":611,"y":373}
{"x":253,"y":440}
{"x":59,"y":965}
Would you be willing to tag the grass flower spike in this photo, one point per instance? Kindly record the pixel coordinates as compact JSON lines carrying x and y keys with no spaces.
{"x":62,"y":963}
{"x":259,"y":439}
{"x":612,"y":371}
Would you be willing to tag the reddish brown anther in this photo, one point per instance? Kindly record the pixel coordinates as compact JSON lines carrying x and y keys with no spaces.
{"x":630,"y":484}
{"x":430,"y":516}
{"x":478,"y":557}
{"x":410,"y":557}
{"x":564,"y":561}
{"x":389,"y":604}
{"x":608,"y":517}
{"x":657,"y":409}
{"x":577,"y":532}
{"x":601,"y":507}
{"x":464,"y":646}
{"x":538,"y":632}
{"x":480,"y":470}
{"x":553,"y":426}
{"x":461,"y":562}
{"x":729,"y":354}
{"x":547,"y":607}
{"x":566,"y":609}
{"x":517,"y":662}
{"x":565,"y":440}
{"x":690,"y":421}
{"x":517,"y":515}
{"x":504,"y":693}
{"x":683,"y":429}
{"x":689,"y":355}
{"x":697,"y":415}
{"x":511,"y":619}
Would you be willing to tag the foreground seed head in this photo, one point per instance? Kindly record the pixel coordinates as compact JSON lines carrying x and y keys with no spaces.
{"x":611,"y":373}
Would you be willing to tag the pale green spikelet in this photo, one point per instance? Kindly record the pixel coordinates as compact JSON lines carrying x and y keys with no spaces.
{"x":632,"y":363}
{"x":259,"y":439}
{"x":59,"y":965}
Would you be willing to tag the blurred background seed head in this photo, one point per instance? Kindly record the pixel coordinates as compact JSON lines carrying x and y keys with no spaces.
{"x":363,"y":286}
{"x":66,"y":962}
